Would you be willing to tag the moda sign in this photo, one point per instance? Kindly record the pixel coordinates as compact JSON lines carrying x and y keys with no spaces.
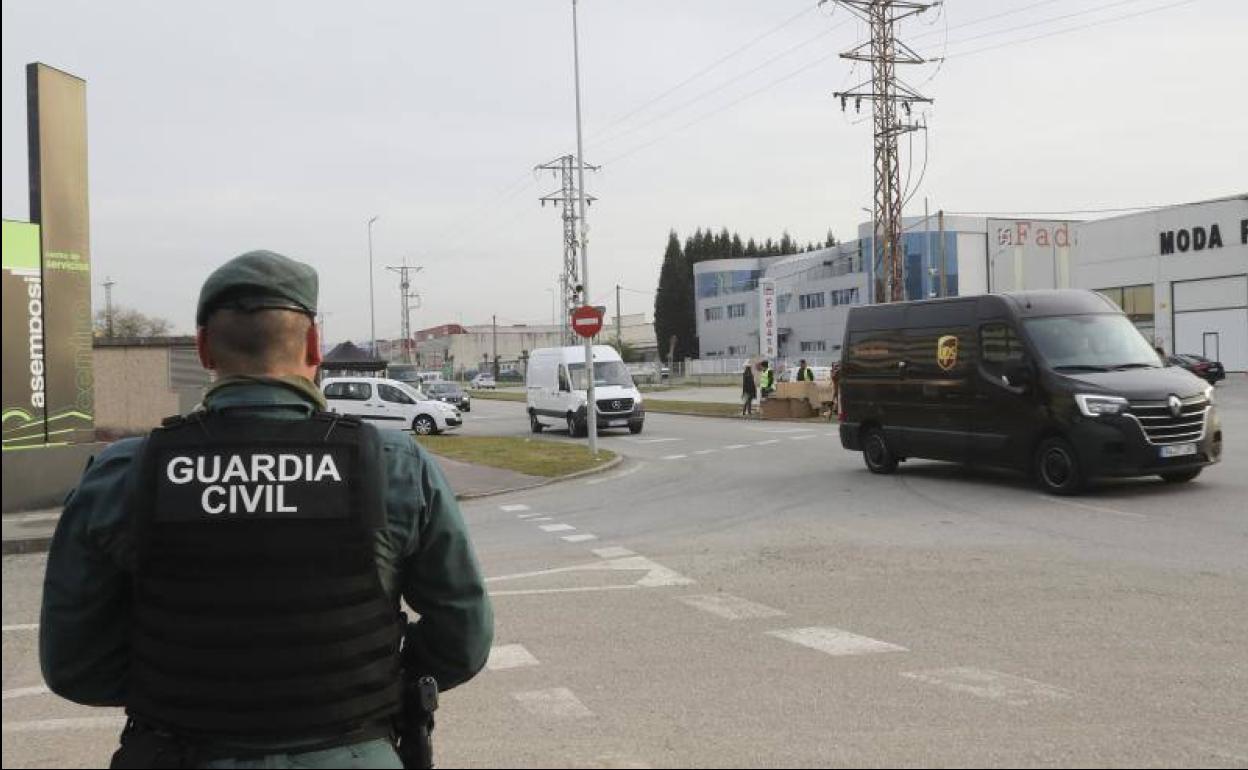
{"x":1198,"y":238}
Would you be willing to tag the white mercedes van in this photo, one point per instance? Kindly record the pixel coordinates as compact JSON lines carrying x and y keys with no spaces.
{"x":556,"y":386}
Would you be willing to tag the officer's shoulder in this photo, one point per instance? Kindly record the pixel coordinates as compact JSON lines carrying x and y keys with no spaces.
{"x":122,"y":449}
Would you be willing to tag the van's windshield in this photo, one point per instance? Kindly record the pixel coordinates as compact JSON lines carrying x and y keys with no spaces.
{"x":1091,"y":343}
{"x":605,"y":373}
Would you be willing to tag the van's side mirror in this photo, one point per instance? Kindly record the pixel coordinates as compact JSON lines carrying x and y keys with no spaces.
{"x":1018,"y":374}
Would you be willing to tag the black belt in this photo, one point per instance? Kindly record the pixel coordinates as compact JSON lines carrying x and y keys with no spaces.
{"x":147,"y":744}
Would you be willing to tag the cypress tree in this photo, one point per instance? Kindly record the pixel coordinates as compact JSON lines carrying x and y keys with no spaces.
{"x":674,"y":301}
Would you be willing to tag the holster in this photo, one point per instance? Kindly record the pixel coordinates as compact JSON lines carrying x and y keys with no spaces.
{"x":415,"y":722}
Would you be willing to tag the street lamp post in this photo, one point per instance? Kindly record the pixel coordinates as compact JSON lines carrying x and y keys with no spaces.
{"x":372,"y":311}
{"x":591,"y":412}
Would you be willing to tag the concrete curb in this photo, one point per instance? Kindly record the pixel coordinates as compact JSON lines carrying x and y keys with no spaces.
{"x":619,"y":458}
{"x":699,"y":414}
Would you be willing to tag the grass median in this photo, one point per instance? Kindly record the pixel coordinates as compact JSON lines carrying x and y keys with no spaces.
{"x":661,"y":405}
{"x":523,"y":455}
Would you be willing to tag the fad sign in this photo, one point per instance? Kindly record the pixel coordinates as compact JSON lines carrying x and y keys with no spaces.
{"x":587,"y":321}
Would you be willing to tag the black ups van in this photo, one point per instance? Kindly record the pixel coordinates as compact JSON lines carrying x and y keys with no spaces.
{"x":1056,"y":383}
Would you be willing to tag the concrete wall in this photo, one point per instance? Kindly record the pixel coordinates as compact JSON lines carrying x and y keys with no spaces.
{"x":41,"y":478}
{"x":132,"y":392}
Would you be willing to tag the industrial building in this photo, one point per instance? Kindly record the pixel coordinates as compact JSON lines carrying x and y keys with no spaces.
{"x":1180,"y":272}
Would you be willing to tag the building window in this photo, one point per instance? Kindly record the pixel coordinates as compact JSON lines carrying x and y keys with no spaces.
{"x":845,"y":296}
{"x":782,"y":303}
{"x":814,"y":346}
{"x":726,"y":282}
{"x":1137,"y":302}
{"x":737,"y":310}
{"x":736,"y":350}
{"x":811,"y":301}
{"x":714,"y":313}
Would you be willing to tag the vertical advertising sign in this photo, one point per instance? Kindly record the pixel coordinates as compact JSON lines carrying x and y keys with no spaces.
{"x":24,"y":374}
{"x":57,"y":136}
{"x":767,"y":329}
{"x":1029,"y":254}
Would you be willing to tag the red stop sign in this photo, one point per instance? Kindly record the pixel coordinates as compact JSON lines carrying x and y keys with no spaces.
{"x":586,"y":320}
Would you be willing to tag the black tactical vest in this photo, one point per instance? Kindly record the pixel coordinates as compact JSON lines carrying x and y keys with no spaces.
{"x":258,"y":609}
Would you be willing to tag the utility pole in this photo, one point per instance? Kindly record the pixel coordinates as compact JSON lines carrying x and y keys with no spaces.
{"x":372,"y":308}
{"x":619,"y":326}
{"x":927,"y":236}
{"x":494,"y":345}
{"x":944,"y":288}
{"x":109,"y":283}
{"x":566,"y":198}
{"x":887,"y":94}
{"x":405,"y":297}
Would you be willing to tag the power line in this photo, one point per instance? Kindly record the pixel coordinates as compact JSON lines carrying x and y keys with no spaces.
{"x":1076,"y":28}
{"x":740,"y":49}
{"x":1046,"y":20}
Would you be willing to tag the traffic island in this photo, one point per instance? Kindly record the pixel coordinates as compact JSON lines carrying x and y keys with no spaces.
{"x":481,"y":466}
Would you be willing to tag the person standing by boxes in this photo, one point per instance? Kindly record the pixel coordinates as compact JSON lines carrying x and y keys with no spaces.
{"x":766,"y":380}
{"x":804,"y":372}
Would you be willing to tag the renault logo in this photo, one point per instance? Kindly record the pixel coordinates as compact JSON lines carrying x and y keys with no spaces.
{"x":1176,"y":406}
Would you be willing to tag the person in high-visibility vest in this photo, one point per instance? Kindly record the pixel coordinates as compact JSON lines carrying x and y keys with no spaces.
{"x":805,"y":373}
{"x":766,"y":380}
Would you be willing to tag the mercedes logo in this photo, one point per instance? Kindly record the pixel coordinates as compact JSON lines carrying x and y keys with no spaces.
{"x":615,"y":405}
{"x":1176,"y":406}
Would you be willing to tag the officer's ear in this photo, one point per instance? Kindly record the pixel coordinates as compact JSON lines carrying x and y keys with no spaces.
{"x":201,"y":345}
{"x":312,"y":353}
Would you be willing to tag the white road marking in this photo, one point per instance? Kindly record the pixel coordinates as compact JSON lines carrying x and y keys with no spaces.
{"x":556,"y":703}
{"x":542,"y":518}
{"x":581,"y":538}
{"x":730,"y":607}
{"x":657,"y":576}
{"x":577,"y":590}
{"x":706,"y":451}
{"x":801,"y":438}
{"x":993,"y":685}
{"x":736,"y":446}
{"x":613,"y":552}
{"x":25,"y":692}
{"x":57,"y":725}
{"x":783,"y":430}
{"x":23,"y":627}
{"x":556,"y":527}
{"x":675,"y":457}
{"x":834,"y":641}
{"x":617,"y":476}
{"x":37,"y":516}
{"x":506,"y":656}
{"x":655,"y":440}
{"x":527,"y":515}
{"x":513,"y":508}
{"x":613,"y":761}
{"x":768,"y":441}
{"x":1097,"y":508}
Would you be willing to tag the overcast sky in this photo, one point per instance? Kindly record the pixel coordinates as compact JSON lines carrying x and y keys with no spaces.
{"x":216,"y":128}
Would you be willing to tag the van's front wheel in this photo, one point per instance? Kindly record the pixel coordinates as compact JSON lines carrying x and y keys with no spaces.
{"x":1057,"y":468}
{"x":574,"y":427}
{"x":535,"y":425}
{"x":876,"y":454}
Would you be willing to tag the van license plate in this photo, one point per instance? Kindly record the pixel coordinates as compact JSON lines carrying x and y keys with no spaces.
{"x":619,"y":423}
{"x":1178,"y":450}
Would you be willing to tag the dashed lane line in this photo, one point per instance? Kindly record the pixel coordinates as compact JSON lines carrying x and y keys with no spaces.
{"x":515,"y":508}
{"x":22,"y":627}
{"x":736,"y":446}
{"x":706,"y":451}
{"x":801,"y":438}
{"x":991,"y":685}
{"x":59,"y":725}
{"x":674,"y":457}
{"x":527,"y":515}
{"x":1098,"y":508}
{"x":730,"y":607}
{"x":25,"y":692}
{"x":768,"y":441}
{"x":542,"y":518}
{"x":613,"y":552}
{"x":580,"y":538}
{"x":556,"y":527}
{"x":834,"y":641}
{"x":505,"y":656}
{"x":555,"y":703}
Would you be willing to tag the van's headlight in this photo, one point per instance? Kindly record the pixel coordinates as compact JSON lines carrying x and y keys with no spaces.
{"x":1093,"y":405}
{"x":1209,"y":394}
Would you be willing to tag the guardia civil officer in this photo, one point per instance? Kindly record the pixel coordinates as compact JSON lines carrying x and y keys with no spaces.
{"x":233,"y":579}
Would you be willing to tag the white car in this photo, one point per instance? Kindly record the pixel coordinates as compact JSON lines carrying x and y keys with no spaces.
{"x":389,"y":404}
{"x":484,"y":382}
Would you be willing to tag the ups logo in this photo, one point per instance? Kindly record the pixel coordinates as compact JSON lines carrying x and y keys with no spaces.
{"x":947,"y":352}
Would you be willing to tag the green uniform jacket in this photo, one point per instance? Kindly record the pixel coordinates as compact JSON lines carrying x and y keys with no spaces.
{"x":424,"y":556}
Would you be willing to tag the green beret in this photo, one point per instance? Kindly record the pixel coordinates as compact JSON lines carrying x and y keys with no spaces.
{"x":258,"y":280}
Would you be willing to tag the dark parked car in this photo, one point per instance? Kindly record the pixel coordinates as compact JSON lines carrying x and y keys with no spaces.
{"x":449,"y":392}
{"x":1209,"y":371}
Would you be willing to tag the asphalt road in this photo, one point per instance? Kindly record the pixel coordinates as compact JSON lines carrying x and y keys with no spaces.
{"x":745,"y":593}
